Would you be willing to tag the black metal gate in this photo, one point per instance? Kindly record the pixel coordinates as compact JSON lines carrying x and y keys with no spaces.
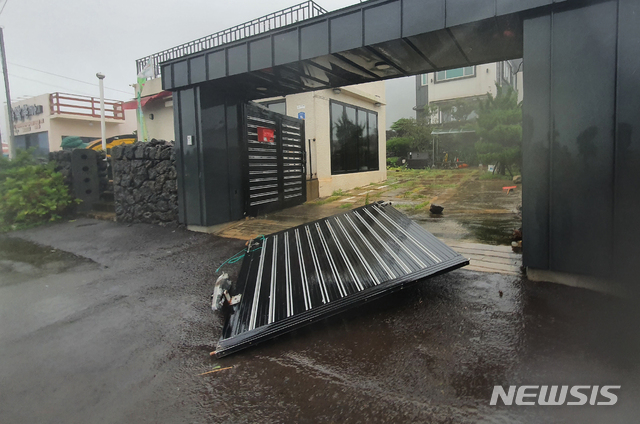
{"x":293,"y":277}
{"x":275,"y":166}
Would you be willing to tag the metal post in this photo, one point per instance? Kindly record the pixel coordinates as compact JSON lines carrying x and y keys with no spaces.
{"x":433,"y":159}
{"x":310,"y":165}
{"x":12,"y":143}
{"x":102,"y":123}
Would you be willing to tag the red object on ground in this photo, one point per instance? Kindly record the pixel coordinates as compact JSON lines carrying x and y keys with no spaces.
{"x":509,"y":188}
{"x":265,"y":135}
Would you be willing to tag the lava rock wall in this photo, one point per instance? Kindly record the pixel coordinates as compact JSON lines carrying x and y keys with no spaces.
{"x":145,"y":182}
{"x":62,"y":159}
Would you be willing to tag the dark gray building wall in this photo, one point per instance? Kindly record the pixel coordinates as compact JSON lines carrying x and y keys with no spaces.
{"x":210,"y":168}
{"x":422,"y":97}
{"x":627,"y":143}
{"x":580,"y":140}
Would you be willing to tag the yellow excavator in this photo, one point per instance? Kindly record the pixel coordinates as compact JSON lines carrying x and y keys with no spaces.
{"x":112,"y":141}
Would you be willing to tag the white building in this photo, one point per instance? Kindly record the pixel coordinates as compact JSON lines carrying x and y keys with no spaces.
{"x":43,"y":121}
{"x":442,"y":89}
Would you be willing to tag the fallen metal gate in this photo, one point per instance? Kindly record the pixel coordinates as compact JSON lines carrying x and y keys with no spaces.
{"x":324,"y":267}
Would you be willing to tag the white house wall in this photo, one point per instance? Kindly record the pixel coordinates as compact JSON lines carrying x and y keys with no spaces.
{"x":483,"y":83}
{"x":315,"y":105}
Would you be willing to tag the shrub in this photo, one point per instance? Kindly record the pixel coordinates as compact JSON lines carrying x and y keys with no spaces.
{"x":399,"y":146}
{"x":30,"y":193}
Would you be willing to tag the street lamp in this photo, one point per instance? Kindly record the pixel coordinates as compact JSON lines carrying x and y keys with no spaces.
{"x":102,"y":124}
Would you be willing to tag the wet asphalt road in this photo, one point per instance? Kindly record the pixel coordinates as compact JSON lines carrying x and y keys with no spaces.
{"x":103,"y":322}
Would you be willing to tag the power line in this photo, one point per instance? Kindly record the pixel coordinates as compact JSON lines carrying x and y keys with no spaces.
{"x":69,"y":78}
{"x":46,"y":83}
{"x":3,"y":6}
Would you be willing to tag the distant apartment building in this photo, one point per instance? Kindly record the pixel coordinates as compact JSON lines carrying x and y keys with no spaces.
{"x":443,"y":89}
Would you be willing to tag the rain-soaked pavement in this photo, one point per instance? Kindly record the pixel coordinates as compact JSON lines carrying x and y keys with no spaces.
{"x":104,"y":322}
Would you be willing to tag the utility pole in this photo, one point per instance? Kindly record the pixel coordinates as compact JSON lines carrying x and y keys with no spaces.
{"x":102,"y":123}
{"x":12,"y":144}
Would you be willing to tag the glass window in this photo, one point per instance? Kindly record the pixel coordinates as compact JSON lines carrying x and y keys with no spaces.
{"x":506,"y":72}
{"x":455,"y":73}
{"x":468,"y":71}
{"x":278,"y":106}
{"x":337,"y":146}
{"x":38,"y":141}
{"x":372,"y":154}
{"x":354,"y":139}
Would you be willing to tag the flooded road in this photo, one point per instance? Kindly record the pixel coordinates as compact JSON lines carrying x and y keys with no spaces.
{"x":120,"y":327}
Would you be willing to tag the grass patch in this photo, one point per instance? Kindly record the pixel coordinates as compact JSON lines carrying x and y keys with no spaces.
{"x":421,"y":205}
{"x":403,"y":206}
{"x":439,"y":186}
{"x":490,"y":176}
{"x":338,"y":193}
{"x":346,"y":206}
{"x":325,"y":200}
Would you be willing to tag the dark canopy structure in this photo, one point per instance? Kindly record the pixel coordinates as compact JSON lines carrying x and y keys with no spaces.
{"x":581,"y":134}
{"x":367,"y":42}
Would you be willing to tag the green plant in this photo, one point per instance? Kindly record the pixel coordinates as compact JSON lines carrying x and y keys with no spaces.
{"x":338,"y":193}
{"x":421,"y":205}
{"x":366,"y":199}
{"x":499,"y":127}
{"x":392,"y":161}
{"x":346,"y":206}
{"x":30,"y":193}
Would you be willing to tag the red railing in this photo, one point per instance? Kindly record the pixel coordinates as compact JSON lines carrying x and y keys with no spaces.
{"x":74,"y":104}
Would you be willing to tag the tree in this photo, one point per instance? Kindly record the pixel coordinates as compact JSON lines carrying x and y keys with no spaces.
{"x":411,"y":135}
{"x":30,"y":192}
{"x":499,"y":126}
{"x":460,"y":111}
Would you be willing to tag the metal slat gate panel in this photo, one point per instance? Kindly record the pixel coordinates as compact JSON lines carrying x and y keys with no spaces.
{"x":324,"y":267}
{"x":276,"y":171}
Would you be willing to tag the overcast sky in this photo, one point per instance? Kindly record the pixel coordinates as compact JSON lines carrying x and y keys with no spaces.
{"x":77,"y":38}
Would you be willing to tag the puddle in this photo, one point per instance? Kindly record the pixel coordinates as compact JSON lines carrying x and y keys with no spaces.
{"x":21,"y":260}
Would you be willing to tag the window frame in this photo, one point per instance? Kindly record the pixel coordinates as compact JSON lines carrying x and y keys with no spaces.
{"x":472,"y":75}
{"x":271,"y":102}
{"x":362,"y":141}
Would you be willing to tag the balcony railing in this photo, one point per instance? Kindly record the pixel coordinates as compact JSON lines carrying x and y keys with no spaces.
{"x":275,"y":20}
{"x":73,"y":104}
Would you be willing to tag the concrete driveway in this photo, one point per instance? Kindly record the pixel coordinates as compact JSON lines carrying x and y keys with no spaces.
{"x":104,"y":322}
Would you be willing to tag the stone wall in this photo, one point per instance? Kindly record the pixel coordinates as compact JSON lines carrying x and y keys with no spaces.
{"x":63,"y":166}
{"x":144,"y":182}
